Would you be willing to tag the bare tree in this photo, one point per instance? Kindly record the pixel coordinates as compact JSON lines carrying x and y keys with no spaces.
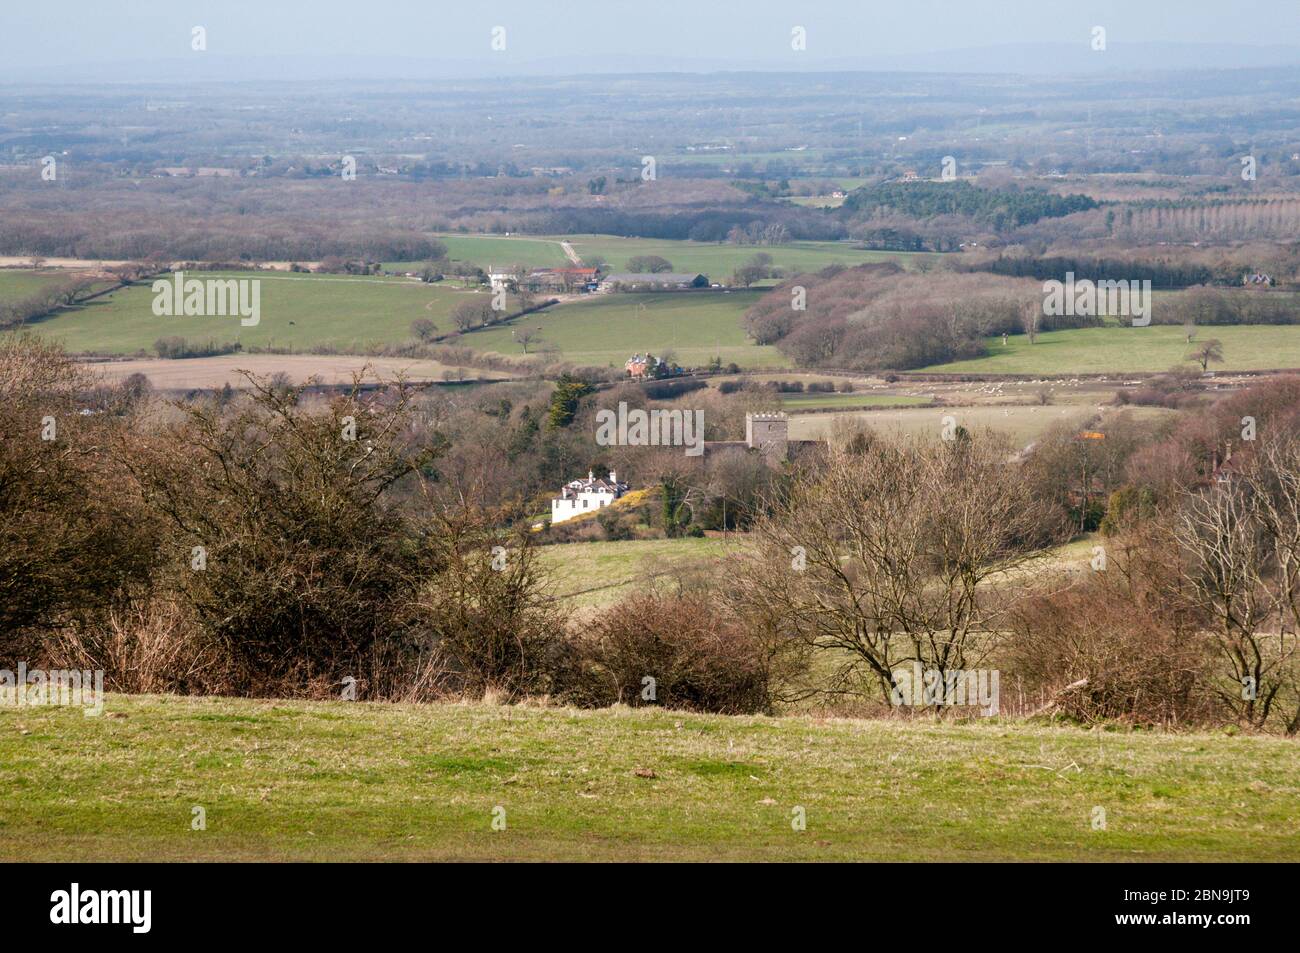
{"x":891,"y":552}
{"x":1240,"y":547}
{"x":1031,"y":319}
{"x":1207,"y":352}
{"x":525,"y":336}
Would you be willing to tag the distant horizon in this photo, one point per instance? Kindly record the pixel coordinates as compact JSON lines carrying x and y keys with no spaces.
{"x":329,"y":39}
{"x":1010,"y":59}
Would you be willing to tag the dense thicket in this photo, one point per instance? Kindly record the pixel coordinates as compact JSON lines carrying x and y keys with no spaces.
{"x":876,"y":317}
{"x":999,"y":208}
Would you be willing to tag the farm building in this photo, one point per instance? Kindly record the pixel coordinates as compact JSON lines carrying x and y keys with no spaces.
{"x":664,"y":281}
{"x":561,"y":279}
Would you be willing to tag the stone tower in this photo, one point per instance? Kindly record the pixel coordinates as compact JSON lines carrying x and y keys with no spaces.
{"x":769,"y":434}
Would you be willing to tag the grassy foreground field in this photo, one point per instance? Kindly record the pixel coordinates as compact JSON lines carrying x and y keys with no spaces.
{"x":1117,"y":349}
{"x":298,"y":311}
{"x":358,"y":781}
{"x":608,"y":329}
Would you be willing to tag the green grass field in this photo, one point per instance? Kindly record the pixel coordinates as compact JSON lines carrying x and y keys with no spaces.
{"x":487,"y":250}
{"x":1118,"y":349}
{"x":608,"y":329}
{"x":298,"y":311}
{"x":282,"y":780}
{"x":19,"y":283}
{"x":16,"y":283}
{"x":719,"y":261}
{"x":576,"y":570}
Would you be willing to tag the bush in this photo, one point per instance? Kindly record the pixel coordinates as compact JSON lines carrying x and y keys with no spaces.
{"x":1112,"y":649}
{"x":667,"y":390}
{"x":617,"y":526}
{"x":699,"y":659}
{"x":480,"y":615}
{"x":177,"y":348}
{"x":72,"y":538}
{"x":303,"y":564}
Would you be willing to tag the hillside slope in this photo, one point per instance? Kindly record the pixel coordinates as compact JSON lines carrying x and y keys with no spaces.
{"x":348,"y":780}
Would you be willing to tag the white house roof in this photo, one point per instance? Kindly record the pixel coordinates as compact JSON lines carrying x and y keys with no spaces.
{"x":592,"y":484}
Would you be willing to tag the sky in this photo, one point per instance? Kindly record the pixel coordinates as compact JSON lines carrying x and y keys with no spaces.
{"x":43,"y":40}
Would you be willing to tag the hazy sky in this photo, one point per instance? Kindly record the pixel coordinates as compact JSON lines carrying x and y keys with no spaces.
{"x":42,"y":36}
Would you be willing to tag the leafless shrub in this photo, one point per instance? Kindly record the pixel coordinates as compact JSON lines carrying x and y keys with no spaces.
{"x":144,"y":646}
{"x":1112,"y":647}
{"x":671,"y":649}
{"x":891,"y":552}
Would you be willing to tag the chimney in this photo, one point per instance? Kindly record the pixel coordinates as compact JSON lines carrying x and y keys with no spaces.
{"x":591,"y":475}
{"x":613,"y":477}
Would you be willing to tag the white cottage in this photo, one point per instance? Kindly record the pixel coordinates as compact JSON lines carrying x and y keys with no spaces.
{"x":586,"y":496}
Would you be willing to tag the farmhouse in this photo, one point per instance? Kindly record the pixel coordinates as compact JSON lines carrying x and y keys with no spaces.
{"x":641,"y":365}
{"x":663,"y":281}
{"x":502,"y":279}
{"x":585,"y":496}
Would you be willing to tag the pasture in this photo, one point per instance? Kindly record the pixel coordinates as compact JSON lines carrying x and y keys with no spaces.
{"x":1022,"y":424}
{"x":608,"y":329}
{"x":715,"y":259}
{"x":297,"y":311}
{"x":500,"y":250}
{"x":718,"y":260}
{"x":1126,"y":349}
{"x":17,"y":283}
{"x":295,"y":780}
{"x":600,"y":573}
